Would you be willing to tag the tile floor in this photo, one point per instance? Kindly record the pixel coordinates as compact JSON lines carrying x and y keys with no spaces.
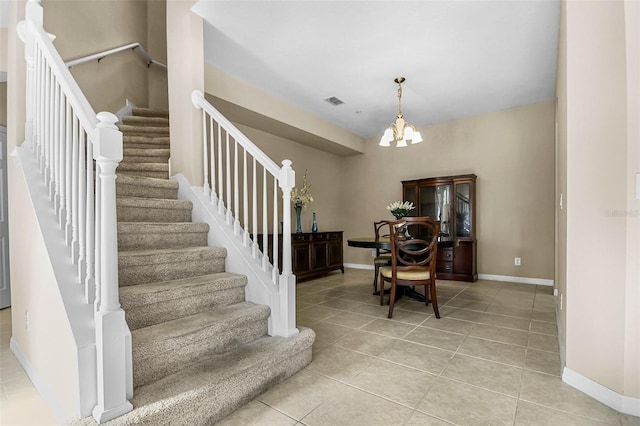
{"x":492,"y":359}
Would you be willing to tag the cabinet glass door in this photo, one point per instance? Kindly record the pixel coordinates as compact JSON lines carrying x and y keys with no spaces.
{"x":463,"y":210}
{"x":435,"y":202}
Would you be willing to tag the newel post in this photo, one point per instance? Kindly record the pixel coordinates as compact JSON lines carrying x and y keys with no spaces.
{"x":287,"y":283}
{"x":113,"y":338}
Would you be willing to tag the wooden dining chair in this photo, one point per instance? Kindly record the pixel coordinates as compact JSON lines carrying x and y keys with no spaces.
{"x":383,"y":256}
{"x":413,"y":260}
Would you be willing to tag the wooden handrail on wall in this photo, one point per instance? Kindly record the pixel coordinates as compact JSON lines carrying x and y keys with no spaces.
{"x":101,"y":55}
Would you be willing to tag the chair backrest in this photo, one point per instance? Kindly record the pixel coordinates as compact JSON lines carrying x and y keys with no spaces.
{"x":378,"y":228}
{"x":419,"y":250}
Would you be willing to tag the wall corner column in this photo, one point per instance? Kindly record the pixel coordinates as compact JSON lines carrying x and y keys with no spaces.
{"x":185,"y":62}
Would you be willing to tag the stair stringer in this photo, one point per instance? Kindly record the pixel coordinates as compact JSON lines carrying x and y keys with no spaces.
{"x":260,"y":289}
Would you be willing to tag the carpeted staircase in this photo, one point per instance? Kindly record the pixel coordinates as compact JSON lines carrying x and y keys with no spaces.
{"x":200,"y":350}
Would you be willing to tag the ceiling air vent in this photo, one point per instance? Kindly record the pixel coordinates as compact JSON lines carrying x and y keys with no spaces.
{"x":334,"y":101}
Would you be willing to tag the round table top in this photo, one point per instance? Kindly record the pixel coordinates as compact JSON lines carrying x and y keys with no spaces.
{"x":369,"y":242}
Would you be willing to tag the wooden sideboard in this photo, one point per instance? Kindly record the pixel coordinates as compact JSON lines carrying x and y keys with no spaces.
{"x":313,"y":254}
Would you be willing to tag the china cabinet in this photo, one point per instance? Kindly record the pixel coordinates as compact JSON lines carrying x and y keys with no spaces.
{"x":451,"y":200}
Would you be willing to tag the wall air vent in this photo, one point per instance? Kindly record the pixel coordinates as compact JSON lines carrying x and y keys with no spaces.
{"x":334,"y":101}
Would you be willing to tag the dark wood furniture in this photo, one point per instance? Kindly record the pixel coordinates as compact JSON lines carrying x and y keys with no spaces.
{"x":452,"y":201}
{"x":313,"y":254}
{"x":413,"y":260}
{"x":383,"y":256}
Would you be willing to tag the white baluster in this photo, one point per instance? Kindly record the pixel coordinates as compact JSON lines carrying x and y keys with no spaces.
{"x":245,"y":201}
{"x":220,"y":196}
{"x":236,"y":189}
{"x":50,"y":130}
{"x":33,"y":16}
{"x":265,"y":226}
{"x":82,"y":195}
{"x":275,"y":271}
{"x":229,"y":216}
{"x":255,"y":246}
{"x":64,"y":163}
{"x":57,"y":146}
{"x":47,"y":133}
{"x":205,"y":185}
{"x":71,"y":118}
{"x":89,"y":281}
{"x":75,"y":165}
{"x":212,"y":160}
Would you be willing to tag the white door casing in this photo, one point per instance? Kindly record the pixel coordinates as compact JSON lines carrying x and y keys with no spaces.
{"x":5,"y":288}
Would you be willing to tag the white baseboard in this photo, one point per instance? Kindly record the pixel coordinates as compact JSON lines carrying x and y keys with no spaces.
{"x":41,"y":387}
{"x":608,"y":397}
{"x":519,"y":280}
{"x":505,"y":278}
{"x":358,"y":266}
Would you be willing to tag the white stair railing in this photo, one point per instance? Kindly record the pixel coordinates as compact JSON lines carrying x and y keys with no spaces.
{"x":242,"y":182}
{"x":66,"y":136}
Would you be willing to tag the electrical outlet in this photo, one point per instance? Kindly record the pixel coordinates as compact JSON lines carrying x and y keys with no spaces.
{"x":517,"y":261}
{"x":26,"y":320}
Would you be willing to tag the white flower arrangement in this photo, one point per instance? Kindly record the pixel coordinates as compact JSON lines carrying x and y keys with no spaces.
{"x":302,"y":198}
{"x":399,"y":209}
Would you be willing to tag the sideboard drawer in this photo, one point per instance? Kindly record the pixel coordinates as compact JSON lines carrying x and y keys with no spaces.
{"x":445,"y":254}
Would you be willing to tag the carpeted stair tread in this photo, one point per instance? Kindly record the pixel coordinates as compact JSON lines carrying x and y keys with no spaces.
{"x":143,"y":294}
{"x":145,"y":187}
{"x":153,"y":303}
{"x":171,"y":335}
{"x":146,"y":266}
{"x":150,"y":112}
{"x":151,"y":152}
{"x":153,"y":235}
{"x":161,"y":349}
{"x":138,"y":209}
{"x":129,"y":130}
{"x":143,"y":120}
{"x":154,"y":203}
{"x":160,"y":256}
{"x":208,"y":391}
{"x":162,"y":141}
{"x":153,"y":170}
{"x":125,"y":166}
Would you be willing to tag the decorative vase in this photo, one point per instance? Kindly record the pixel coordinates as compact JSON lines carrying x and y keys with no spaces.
{"x":402,"y":232}
{"x":298,"y":224}
{"x":314,"y":227}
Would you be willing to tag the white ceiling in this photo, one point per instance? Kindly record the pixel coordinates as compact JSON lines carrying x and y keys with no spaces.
{"x":459,"y":57}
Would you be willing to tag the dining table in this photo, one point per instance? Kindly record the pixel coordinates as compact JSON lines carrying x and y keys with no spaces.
{"x":385,"y":244}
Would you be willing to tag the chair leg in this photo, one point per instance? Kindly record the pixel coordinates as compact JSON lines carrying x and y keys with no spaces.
{"x":375,"y":279}
{"x":392,"y":300}
{"x":434,"y":299}
{"x":381,"y":290}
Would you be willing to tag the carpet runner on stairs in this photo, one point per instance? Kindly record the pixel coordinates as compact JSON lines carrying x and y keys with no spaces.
{"x":200,"y":350}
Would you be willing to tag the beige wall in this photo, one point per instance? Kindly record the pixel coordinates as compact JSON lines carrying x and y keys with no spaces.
{"x":48,"y":344}
{"x":157,"y":48}
{"x":601,"y":213}
{"x":512,"y":154}
{"x":106,"y":24}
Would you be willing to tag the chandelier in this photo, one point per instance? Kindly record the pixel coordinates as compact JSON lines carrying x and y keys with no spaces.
{"x":401,"y":132}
